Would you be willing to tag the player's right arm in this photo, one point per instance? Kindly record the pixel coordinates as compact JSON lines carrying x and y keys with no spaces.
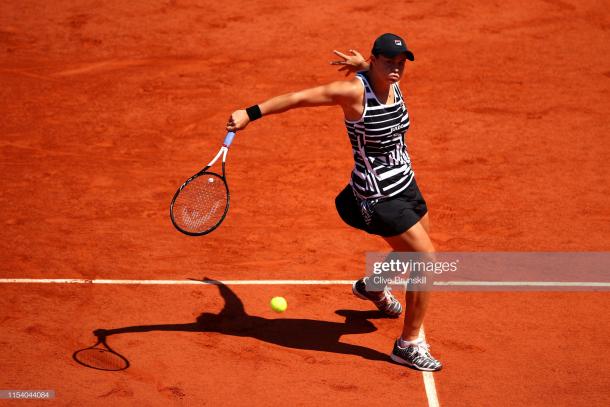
{"x":347,"y":94}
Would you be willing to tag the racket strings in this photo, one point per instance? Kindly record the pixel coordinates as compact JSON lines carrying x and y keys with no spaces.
{"x":201,"y":204}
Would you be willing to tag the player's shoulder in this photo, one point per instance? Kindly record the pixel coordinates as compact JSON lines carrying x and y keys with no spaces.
{"x":348,"y":88}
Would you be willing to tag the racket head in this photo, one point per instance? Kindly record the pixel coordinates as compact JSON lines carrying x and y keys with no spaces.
{"x":200,"y":204}
{"x":100,"y":359}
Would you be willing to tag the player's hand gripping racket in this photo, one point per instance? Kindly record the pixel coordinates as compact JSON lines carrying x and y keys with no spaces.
{"x":202,"y":202}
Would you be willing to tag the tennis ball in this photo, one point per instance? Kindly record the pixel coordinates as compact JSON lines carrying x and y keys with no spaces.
{"x":279,"y":304}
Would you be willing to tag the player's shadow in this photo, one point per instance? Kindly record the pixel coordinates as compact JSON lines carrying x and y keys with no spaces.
{"x":294,"y":333}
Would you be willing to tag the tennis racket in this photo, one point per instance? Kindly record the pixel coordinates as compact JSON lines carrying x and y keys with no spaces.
{"x":101,"y":356}
{"x":202,"y":202}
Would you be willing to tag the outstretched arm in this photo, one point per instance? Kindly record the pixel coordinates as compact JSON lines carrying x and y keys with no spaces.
{"x":343,"y":93}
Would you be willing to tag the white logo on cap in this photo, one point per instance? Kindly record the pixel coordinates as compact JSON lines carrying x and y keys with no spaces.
{"x":398,"y":42}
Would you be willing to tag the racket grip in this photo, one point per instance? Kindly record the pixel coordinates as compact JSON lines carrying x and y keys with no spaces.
{"x":229,"y":139}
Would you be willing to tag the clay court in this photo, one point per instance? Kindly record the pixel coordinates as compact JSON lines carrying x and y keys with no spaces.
{"x":107,"y":107}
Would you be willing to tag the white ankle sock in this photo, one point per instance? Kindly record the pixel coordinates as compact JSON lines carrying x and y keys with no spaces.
{"x":403,"y":344}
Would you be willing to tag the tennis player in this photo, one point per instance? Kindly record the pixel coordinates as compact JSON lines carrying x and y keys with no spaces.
{"x":382,"y":197}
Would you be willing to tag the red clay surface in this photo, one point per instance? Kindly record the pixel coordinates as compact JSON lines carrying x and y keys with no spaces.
{"x":106,"y":108}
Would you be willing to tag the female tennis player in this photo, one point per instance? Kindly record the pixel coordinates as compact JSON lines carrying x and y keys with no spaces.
{"x":382,"y":197}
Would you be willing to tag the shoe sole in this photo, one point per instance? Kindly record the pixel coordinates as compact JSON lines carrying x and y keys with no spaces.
{"x":403,"y":362}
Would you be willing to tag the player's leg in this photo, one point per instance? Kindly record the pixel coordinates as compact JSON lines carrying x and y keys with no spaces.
{"x":409,"y":349}
{"x":416,"y":302}
{"x":349,"y":210}
{"x":425,"y":222}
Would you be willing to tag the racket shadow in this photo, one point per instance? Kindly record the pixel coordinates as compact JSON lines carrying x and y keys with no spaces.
{"x":296,"y":333}
{"x":101,"y":356}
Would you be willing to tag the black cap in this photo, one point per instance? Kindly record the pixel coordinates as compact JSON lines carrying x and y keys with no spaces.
{"x":390,"y":45}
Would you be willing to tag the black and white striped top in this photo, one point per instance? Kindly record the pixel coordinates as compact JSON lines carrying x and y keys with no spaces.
{"x":382,"y":165}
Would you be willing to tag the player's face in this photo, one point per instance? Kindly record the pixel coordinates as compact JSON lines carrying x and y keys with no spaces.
{"x":390,"y":69}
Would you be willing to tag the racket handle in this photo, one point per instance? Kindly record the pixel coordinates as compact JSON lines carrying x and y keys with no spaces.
{"x":229,"y":139}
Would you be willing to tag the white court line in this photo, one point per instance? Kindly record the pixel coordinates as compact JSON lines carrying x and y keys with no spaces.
{"x":170,"y":282}
{"x":525,"y":283}
{"x":428,"y":377}
{"x":591,"y":284}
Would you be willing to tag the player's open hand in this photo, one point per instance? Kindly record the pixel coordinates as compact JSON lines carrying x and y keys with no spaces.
{"x":350,"y":63}
{"x":238,"y":120}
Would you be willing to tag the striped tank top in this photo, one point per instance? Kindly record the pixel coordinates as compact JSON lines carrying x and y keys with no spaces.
{"x":382,"y":165}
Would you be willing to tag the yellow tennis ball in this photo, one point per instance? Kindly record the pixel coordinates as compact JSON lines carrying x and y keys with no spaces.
{"x":279,"y":304}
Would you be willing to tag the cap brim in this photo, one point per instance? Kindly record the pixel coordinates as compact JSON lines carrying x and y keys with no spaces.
{"x":407,"y":53}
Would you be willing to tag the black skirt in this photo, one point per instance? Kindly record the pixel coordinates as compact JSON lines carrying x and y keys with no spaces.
{"x":385,"y":216}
